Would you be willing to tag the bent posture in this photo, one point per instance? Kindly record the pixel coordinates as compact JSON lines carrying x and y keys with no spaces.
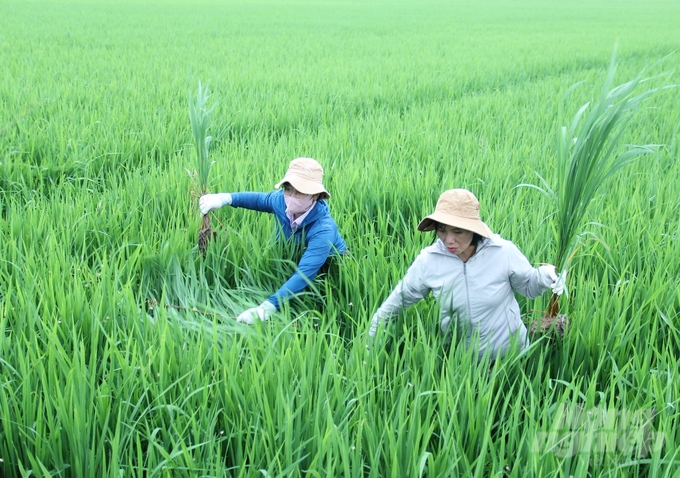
{"x":473,"y":274}
{"x":302,"y":216}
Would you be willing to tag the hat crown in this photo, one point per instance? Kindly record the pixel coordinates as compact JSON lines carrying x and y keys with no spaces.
{"x":458,"y":202}
{"x":305,"y":175}
{"x":306,"y":168}
{"x":458,"y":208}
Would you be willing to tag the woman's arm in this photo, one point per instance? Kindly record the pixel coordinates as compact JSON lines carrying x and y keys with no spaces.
{"x":408,"y":291}
{"x":317,"y":251}
{"x":263,"y":202}
{"x":524,"y":278}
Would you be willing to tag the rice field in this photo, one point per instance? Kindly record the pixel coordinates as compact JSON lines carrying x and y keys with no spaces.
{"x":119,"y":355}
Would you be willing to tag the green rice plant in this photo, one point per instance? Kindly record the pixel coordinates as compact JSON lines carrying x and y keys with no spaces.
{"x":119,"y":355}
{"x":199,"y":114}
{"x":589,"y":153}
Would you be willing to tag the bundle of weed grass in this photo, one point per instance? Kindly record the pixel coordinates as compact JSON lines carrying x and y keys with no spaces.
{"x":588,"y":154}
{"x":200,"y":123}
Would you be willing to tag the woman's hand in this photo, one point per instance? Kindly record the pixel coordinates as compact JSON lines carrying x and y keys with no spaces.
{"x":261,"y":312}
{"x":548,"y":277}
{"x":209,"y":202}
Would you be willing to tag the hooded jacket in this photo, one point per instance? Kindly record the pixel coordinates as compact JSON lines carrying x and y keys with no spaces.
{"x":477,"y":296}
{"x":318,"y":233}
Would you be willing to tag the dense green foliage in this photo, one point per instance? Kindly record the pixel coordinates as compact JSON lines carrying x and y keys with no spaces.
{"x":119,"y":355}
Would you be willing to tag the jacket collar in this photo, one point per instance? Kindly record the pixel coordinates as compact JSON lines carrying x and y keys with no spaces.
{"x":319,"y":210}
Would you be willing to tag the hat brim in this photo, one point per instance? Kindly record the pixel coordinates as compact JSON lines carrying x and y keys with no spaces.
{"x":428,"y":223}
{"x":305,"y":186}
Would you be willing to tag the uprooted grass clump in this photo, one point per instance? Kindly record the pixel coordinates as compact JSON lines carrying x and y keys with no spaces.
{"x":199,"y":115}
{"x":589,"y":152}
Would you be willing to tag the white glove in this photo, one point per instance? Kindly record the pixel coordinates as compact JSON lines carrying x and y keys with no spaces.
{"x":549,"y":278}
{"x":208,"y":202}
{"x":560,"y":286}
{"x":261,"y":312}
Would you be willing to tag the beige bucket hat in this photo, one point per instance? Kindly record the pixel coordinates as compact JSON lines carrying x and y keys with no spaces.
{"x":457,"y":208}
{"x":305,"y":175}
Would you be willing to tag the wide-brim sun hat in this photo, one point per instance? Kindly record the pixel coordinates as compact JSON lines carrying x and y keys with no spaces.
{"x":305,"y":175}
{"x":456,"y":208}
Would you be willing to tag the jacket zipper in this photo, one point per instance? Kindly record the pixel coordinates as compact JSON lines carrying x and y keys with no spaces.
{"x":467,"y":292}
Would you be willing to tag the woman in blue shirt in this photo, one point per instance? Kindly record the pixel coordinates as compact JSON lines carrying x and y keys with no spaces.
{"x":302,"y":214}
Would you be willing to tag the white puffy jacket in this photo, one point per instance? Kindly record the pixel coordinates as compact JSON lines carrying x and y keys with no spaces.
{"x":477,"y":295}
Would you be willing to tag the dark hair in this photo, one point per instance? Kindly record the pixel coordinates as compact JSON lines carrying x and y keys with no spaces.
{"x":476,"y":238}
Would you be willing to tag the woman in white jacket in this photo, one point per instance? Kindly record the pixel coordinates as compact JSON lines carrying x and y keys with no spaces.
{"x":473,"y":274}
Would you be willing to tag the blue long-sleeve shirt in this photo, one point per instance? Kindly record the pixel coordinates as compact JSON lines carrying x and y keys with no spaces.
{"x":318,"y":231}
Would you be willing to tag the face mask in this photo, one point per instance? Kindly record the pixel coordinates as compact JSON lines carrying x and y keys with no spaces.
{"x":298,"y":205}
